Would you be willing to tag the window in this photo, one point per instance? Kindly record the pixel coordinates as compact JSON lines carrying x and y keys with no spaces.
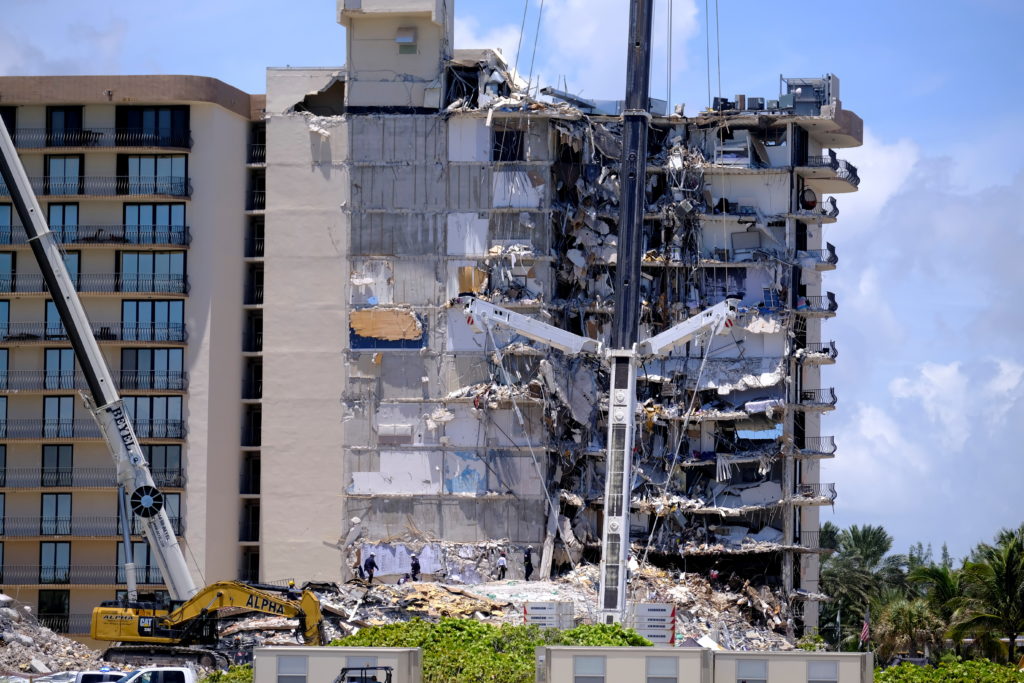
{"x":63,"y":175}
{"x":152,"y":174}
{"x":1,"y":514}
{"x":165,"y":464}
{"x":54,"y":562}
{"x":152,"y":368}
{"x":158,"y":223}
{"x":291,"y":669}
{"x":662,"y":670}
{"x":151,"y":271}
{"x":4,"y":357}
{"x":406,"y":39}
{"x":751,"y":671}
{"x":7,"y":271}
{"x":54,"y":326}
{"x":54,"y":609}
{"x":60,"y":369}
{"x":5,"y":318}
{"x":822,"y":672}
{"x":508,"y":145}
{"x":57,"y":465}
{"x":588,"y":669}
{"x":153,"y":126}
{"x":58,"y":417}
{"x":63,"y":221}
{"x":146,"y":569}
{"x":6,"y":227}
{"x":63,"y":126}
{"x":3,"y":473}
{"x":155,"y":417}
{"x":153,"y":320}
{"x":55,"y":517}
{"x":3,"y":417}
{"x":9,"y":115}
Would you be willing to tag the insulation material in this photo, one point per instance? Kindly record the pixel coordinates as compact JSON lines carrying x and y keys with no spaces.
{"x":393,"y":323}
{"x":472,"y":280}
{"x":729,"y":374}
{"x":763,"y":494}
{"x":518,"y":189}
{"x":467,"y":234}
{"x":401,"y":472}
{"x":372,"y":282}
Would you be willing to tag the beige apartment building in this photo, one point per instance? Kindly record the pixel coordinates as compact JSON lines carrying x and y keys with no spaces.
{"x":313,"y":253}
{"x":145,"y":182}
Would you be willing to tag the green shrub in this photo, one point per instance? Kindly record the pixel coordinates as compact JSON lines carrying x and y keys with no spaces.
{"x":234,"y":674}
{"x":973,"y":671}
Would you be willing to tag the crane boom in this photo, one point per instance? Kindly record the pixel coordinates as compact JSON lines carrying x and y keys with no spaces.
{"x":105,"y":404}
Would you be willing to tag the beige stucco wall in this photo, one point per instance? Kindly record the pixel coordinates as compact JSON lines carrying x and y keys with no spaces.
{"x":623,"y":663}
{"x":787,"y":667}
{"x":325,"y":663}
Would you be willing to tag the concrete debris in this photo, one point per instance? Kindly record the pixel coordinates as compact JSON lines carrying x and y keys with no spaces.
{"x":33,"y":648}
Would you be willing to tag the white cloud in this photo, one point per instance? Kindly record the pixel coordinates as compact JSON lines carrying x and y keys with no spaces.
{"x":469,"y":34}
{"x":884,"y":169}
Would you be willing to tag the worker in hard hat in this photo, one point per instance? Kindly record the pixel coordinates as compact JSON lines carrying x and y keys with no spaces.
{"x":415,"y":569}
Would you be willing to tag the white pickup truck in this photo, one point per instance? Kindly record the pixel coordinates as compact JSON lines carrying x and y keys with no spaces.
{"x":160,"y":674}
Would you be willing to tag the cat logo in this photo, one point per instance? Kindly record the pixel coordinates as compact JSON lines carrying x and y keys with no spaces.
{"x":264,"y":604}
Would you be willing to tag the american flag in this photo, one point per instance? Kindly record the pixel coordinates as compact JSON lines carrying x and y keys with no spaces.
{"x":865,"y":630}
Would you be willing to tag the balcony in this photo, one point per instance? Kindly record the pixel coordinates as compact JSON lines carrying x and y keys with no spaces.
{"x":828,"y":174}
{"x":815,"y":494}
{"x":257,"y":201}
{"x":817,"y":306}
{"x":810,"y":540}
{"x":43,"y":380}
{"x":40,"y":430}
{"x":87,"y":574}
{"x":85,"y":235}
{"x":253,"y":342}
{"x":820,"y":400}
{"x":98,"y":283}
{"x":249,"y":532}
{"x":828,"y":212}
{"x":37,"y":138}
{"x":73,"y":624}
{"x":254,"y":247}
{"x":257,"y":155}
{"x":80,"y":477}
{"x":40,"y":332}
{"x":251,"y":436}
{"x":823,"y":353}
{"x":20,"y":527}
{"x":817,"y":446}
{"x":252,"y":389}
{"x":818,"y":259}
{"x":108,"y":186}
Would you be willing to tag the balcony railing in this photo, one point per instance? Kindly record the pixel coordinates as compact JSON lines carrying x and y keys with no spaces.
{"x":257,"y":200}
{"x":254,"y":247}
{"x":252,"y":388}
{"x":818,"y":397}
{"x":848,"y":172}
{"x":84,"y":477}
{"x":817,"y":304}
{"x":253,"y":342}
{"x":830,"y":208}
{"x":248,"y":532}
{"x":254,"y":295}
{"x":102,"y":331}
{"x":31,"y":430}
{"x":102,"y":574}
{"x":251,"y":436}
{"x":820,"y":257}
{"x":74,"y":526}
{"x":821,"y":490}
{"x":257,"y":154}
{"x":157,"y":235}
{"x":820,"y":350}
{"x":107,"y":186}
{"x":97,"y":283}
{"x":74,"y":624}
{"x":818,"y":445}
{"x":45,"y":380}
{"x":823,"y":161}
{"x":29,"y":138}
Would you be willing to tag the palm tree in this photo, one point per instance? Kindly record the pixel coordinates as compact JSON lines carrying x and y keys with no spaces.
{"x":905,"y":625}
{"x":943,"y":587}
{"x":993,"y":583}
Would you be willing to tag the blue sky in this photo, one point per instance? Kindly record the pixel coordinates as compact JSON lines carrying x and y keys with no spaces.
{"x":931,"y":371}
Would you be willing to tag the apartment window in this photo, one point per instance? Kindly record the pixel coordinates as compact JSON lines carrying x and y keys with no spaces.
{"x":291,"y":669}
{"x":63,"y":126}
{"x":153,"y":126}
{"x":2,"y":513}
{"x":60,"y":369}
{"x":158,"y":223}
{"x":5,"y":318}
{"x":508,"y":145}
{"x":155,"y":417}
{"x":406,"y":39}
{"x":57,"y":465}
{"x":63,"y":221}
{"x":152,"y":320}
{"x":146,"y":569}
{"x":751,"y":671}
{"x":54,"y":562}
{"x":54,"y":609}
{"x":6,"y":227}
{"x":63,"y":174}
{"x":151,"y":271}
{"x":152,"y":173}
{"x":589,"y":669}
{"x":164,"y":463}
{"x":822,"y":672}
{"x":58,"y":417}
{"x":54,"y":326}
{"x":4,"y":357}
{"x":7,"y":270}
{"x":662,"y":670}
{"x":152,"y":368}
{"x":3,"y":417}
{"x":55,"y":515}
{"x":3,"y":472}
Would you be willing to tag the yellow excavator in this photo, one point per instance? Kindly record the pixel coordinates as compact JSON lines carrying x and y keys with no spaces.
{"x":146,"y":632}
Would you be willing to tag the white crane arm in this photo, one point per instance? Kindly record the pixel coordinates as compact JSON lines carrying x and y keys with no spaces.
{"x":530,"y":328}
{"x":715,"y":318}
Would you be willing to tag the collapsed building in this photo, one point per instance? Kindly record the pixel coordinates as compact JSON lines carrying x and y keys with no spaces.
{"x":393,"y":424}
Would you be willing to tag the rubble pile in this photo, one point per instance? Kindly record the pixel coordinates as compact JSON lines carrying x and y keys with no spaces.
{"x":30,"y":647}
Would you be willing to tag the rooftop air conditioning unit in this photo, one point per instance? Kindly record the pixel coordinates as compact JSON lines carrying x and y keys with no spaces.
{"x":773,"y":105}
{"x":755,"y":103}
